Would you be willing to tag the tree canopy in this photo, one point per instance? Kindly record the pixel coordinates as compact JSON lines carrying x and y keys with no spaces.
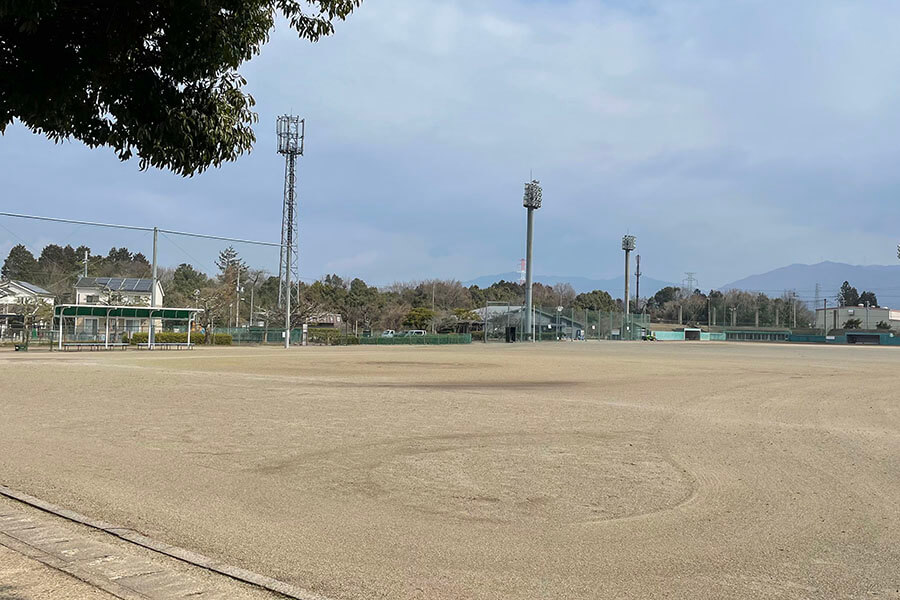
{"x":848,"y":296}
{"x":154,"y":79}
{"x":20,"y":264}
{"x":868,"y":298}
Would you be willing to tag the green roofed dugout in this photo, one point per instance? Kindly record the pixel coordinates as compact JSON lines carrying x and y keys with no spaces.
{"x":105,"y":325}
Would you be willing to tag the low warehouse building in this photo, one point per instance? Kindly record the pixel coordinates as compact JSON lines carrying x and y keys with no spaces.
{"x":869,"y":317}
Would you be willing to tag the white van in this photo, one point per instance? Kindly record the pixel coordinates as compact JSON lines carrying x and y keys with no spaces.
{"x":415,"y":333}
{"x":387,"y":333}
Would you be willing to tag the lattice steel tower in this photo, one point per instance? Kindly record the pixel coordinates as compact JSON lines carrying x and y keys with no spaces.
{"x":291,"y":131}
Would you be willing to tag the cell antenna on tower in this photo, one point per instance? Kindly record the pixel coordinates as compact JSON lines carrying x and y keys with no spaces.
{"x":291,"y":131}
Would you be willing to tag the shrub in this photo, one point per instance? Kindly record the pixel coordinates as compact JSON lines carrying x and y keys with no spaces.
{"x":477,"y":336}
{"x":330,"y":337}
{"x":853,"y":324}
{"x":171,"y":337}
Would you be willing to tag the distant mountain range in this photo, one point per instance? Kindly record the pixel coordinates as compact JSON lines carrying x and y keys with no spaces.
{"x":884,"y":280}
{"x":615,"y":286}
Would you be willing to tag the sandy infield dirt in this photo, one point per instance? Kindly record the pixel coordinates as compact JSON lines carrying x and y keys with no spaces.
{"x":570,"y":470}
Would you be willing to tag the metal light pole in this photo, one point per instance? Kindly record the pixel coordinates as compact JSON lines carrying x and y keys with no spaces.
{"x":532,"y":201}
{"x":627,"y":246}
{"x":291,"y":132}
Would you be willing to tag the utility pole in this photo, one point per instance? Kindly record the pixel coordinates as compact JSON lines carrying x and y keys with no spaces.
{"x":237,"y":294}
{"x":532,"y":201}
{"x":628,"y":246}
{"x":816,"y":303}
{"x":432,"y":308}
{"x":85,"y":262}
{"x":152,"y":337}
{"x":637,"y":285}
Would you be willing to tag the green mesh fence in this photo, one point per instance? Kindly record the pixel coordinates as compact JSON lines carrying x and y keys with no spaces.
{"x":333,"y":337}
{"x":462,"y":338}
{"x":503,"y":322}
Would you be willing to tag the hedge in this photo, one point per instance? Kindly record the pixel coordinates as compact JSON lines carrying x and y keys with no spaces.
{"x":330,"y":337}
{"x":170,"y":337}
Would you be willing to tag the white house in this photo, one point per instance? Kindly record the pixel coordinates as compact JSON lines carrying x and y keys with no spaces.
{"x":13,"y":295}
{"x":117,"y":291}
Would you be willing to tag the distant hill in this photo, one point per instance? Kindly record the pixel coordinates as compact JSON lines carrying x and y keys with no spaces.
{"x":614,"y":286}
{"x":884,"y":280}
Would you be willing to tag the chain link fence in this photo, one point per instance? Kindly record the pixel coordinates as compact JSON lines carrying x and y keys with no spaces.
{"x":505,"y":322}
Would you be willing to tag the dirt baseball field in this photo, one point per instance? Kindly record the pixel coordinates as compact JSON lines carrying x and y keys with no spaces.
{"x":570,"y":470}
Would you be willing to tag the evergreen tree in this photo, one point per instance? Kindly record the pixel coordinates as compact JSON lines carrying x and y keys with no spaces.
{"x":848,"y":295}
{"x":868,"y":298}
{"x":157,"y":80}
{"x":20,"y":264}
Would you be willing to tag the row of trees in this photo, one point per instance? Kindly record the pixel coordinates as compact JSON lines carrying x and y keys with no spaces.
{"x":58,"y":267}
{"x":734,"y":306}
{"x":238,"y":294}
{"x":848,"y":296}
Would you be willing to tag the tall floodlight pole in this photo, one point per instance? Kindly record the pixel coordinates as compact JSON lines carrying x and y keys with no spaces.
{"x":533,"y":196}
{"x":291,"y":131}
{"x":627,"y":246}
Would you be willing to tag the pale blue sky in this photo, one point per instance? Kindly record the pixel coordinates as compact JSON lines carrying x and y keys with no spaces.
{"x":729,"y":137}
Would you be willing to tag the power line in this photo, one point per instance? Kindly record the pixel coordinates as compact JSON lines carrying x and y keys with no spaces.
{"x":137,"y":228}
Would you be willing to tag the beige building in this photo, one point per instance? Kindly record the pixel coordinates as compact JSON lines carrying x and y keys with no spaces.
{"x":835,"y":317}
{"x":114,"y":291}
{"x":117,"y":291}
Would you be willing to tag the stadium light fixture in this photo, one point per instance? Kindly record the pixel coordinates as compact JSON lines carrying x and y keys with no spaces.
{"x":532,"y":201}
{"x":628,"y":244}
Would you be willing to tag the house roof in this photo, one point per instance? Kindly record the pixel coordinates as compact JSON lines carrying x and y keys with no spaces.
{"x":36,"y":289}
{"x":29,"y":287}
{"x":116,"y":284}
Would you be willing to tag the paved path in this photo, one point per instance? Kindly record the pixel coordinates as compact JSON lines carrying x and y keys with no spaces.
{"x":44,"y":556}
{"x":24,"y":578}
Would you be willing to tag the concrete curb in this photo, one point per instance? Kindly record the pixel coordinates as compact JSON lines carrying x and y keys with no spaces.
{"x":182,"y":554}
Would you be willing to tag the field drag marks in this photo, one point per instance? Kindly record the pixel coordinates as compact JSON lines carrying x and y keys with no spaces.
{"x":502,"y":478}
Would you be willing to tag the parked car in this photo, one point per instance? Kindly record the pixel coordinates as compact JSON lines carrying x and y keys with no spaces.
{"x":415,"y":333}
{"x":389,"y":333}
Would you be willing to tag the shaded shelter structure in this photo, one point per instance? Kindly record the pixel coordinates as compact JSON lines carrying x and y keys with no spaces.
{"x":105,"y":327}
